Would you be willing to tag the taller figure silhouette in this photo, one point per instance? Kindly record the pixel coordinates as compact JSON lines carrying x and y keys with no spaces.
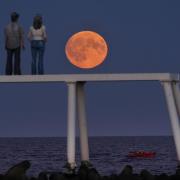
{"x":14,"y":42}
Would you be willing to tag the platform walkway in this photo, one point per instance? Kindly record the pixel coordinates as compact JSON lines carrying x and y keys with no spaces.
{"x":76,"y":102}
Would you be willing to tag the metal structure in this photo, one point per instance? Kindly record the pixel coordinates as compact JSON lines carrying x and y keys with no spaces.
{"x":76,"y":102}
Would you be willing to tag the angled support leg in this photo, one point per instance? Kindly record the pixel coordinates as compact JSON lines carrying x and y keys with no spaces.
{"x":71,"y":127}
{"x":81,"y":109}
{"x":176,"y":92}
{"x":173,"y":114}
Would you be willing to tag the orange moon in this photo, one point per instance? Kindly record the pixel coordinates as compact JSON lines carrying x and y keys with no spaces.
{"x":86,"y":49}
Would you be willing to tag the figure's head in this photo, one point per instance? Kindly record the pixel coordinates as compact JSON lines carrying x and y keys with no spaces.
{"x":37,"y":22}
{"x":14,"y":17}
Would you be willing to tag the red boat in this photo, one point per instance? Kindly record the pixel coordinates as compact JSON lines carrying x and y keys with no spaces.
{"x":143,"y":154}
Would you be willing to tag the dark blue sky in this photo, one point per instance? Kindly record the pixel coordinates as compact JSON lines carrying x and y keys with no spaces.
{"x":143,"y":36}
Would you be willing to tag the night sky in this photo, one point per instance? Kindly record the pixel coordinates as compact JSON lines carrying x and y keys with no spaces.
{"x":142,"y":36}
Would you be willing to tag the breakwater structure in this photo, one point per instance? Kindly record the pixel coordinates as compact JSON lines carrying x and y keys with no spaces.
{"x":76,"y":103}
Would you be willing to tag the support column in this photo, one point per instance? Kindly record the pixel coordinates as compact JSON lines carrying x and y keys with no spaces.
{"x":81,"y":109}
{"x":173,"y":114}
{"x":71,"y":127}
{"x":176,"y":92}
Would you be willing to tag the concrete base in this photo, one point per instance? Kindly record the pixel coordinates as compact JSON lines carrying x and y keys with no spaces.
{"x":86,"y":164}
{"x":69,"y":168}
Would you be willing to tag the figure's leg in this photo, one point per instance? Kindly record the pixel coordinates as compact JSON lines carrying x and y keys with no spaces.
{"x":17,"y":61}
{"x":9,"y":62}
{"x":34,"y":57}
{"x":41,"y":61}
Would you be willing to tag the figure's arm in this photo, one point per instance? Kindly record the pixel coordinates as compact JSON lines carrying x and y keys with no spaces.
{"x":5,"y":38}
{"x":30,"y":35}
{"x":44,"y":34}
{"x":22,"y":38}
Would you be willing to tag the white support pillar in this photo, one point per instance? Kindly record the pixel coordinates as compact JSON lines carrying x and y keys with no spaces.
{"x":71,"y":127}
{"x":176,"y":92}
{"x":81,"y":109}
{"x":173,"y":114}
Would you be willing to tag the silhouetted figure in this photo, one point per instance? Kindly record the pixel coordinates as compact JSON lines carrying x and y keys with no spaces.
{"x":38,"y":37}
{"x":14,"y":42}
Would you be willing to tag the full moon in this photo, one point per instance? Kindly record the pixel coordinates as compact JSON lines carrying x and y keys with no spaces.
{"x":86,"y":49}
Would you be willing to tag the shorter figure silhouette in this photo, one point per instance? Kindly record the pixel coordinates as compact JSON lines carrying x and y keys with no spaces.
{"x":37,"y":37}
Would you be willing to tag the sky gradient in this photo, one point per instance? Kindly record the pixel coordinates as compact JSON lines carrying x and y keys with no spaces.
{"x":142,"y":36}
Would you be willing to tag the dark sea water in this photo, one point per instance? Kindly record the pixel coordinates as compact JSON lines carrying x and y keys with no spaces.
{"x":107,"y":154}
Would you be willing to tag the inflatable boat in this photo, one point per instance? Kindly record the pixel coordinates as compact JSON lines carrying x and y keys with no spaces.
{"x":143,"y":154}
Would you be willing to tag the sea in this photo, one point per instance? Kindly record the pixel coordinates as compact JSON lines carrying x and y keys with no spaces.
{"x":107,"y":154}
